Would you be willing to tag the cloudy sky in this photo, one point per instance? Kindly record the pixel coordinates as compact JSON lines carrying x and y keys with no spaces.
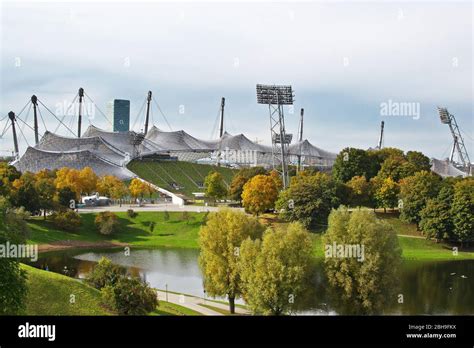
{"x":344,"y":60}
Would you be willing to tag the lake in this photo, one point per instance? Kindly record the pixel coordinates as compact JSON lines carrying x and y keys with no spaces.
{"x":426,"y":287}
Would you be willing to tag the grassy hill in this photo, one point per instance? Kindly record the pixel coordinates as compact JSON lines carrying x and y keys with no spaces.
{"x":178,"y":177}
{"x":49,"y":293}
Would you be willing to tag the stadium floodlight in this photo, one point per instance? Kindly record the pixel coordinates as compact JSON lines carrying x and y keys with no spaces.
{"x":443,"y":115}
{"x":274,"y":95}
{"x":458,"y":142}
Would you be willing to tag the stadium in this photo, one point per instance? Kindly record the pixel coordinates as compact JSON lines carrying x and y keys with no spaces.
{"x":175,"y":162}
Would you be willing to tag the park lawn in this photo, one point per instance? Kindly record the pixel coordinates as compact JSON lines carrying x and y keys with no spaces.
{"x":218,"y":309}
{"x":168,"y":308}
{"x":49,"y":293}
{"x":426,"y":250}
{"x":134,"y":231}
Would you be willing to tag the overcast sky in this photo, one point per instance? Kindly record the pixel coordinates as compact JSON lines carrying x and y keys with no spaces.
{"x":343,"y":59}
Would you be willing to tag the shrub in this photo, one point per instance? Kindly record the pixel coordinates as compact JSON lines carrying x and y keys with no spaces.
{"x":66,"y":220}
{"x":107,"y":222}
{"x":130,"y":296}
{"x":131,"y":213}
{"x":104,"y":274}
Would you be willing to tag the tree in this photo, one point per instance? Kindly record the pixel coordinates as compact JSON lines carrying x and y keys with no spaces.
{"x":364,"y":281}
{"x":8,"y":174}
{"x":107,"y":222}
{"x":415,"y":191}
{"x":394,"y":167}
{"x":241,"y":178}
{"x":220,"y":240}
{"x":273,"y":270}
{"x":309,"y":199}
{"x":386,"y":193}
{"x":67,"y":220}
{"x":436,"y":217}
{"x":105,"y":273}
{"x":46,"y":190}
{"x":260,"y":194}
{"x":130,"y":296}
{"x":215,"y":186}
{"x":111,"y":186}
{"x":418,"y":160}
{"x":88,"y":180}
{"x":64,"y":196}
{"x":351,"y":162}
{"x":25,"y":194}
{"x":462,"y":210}
{"x":139,"y":188}
{"x":359,"y":190}
{"x":13,"y":286}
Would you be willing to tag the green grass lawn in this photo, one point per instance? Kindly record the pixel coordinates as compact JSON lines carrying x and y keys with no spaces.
{"x":50,"y":294}
{"x":168,"y":308}
{"x":172,"y":233}
{"x":217,"y":309}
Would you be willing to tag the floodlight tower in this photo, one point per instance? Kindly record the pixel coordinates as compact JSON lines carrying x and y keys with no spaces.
{"x":276,"y":97}
{"x":458,"y":141}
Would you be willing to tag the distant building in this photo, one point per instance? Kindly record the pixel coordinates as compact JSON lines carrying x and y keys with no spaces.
{"x":119,"y":111}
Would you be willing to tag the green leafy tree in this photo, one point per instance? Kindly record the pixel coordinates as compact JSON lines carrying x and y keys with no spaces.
{"x":309,"y":199}
{"x":386,"y":193}
{"x":215,"y":186}
{"x":414,"y":193}
{"x":130,"y":296}
{"x":436,"y":218}
{"x":105,"y":273}
{"x":418,"y":160}
{"x":364,"y":282}
{"x":220,"y":240}
{"x":462,"y":210}
{"x":13,"y":286}
{"x":64,"y":196}
{"x":273,"y":270}
{"x":46,"y":191}
{"x":358,"y":191}
{"x":25,"y":193}
{"x":351,"y":162}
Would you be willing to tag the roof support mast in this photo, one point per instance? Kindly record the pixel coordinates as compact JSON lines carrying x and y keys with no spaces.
{"x":221,"y":131}
{"x":11,"y":115}
{"x":79,"y":121}
{"x":300,"y":138}
{"x":381,"y":135}
{"x":147,"y":118}
{"x":34,"y":101}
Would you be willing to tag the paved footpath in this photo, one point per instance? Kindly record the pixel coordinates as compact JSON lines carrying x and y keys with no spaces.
{"x":152,"y":207}
{"x":192,"y":302}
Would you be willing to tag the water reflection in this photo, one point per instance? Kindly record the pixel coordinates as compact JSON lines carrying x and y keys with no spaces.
{"x":427,"y":287}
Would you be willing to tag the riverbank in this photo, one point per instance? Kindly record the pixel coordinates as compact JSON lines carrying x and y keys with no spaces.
{"x":181,"y":231}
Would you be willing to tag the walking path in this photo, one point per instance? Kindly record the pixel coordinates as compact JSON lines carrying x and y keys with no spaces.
{"x":193,"y":302}
{"x":151,"y":207}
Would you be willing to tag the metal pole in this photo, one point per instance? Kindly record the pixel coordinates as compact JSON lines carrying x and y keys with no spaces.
{"x":221,"y":127}
{"x":34,"y":101}
{"x":148,"y":100}
{"x":11,"y":115}
{"x":300,"y":138}
{"x":166,"y":285}
{"x":79,"y":121}
{"x":381,"y":134}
